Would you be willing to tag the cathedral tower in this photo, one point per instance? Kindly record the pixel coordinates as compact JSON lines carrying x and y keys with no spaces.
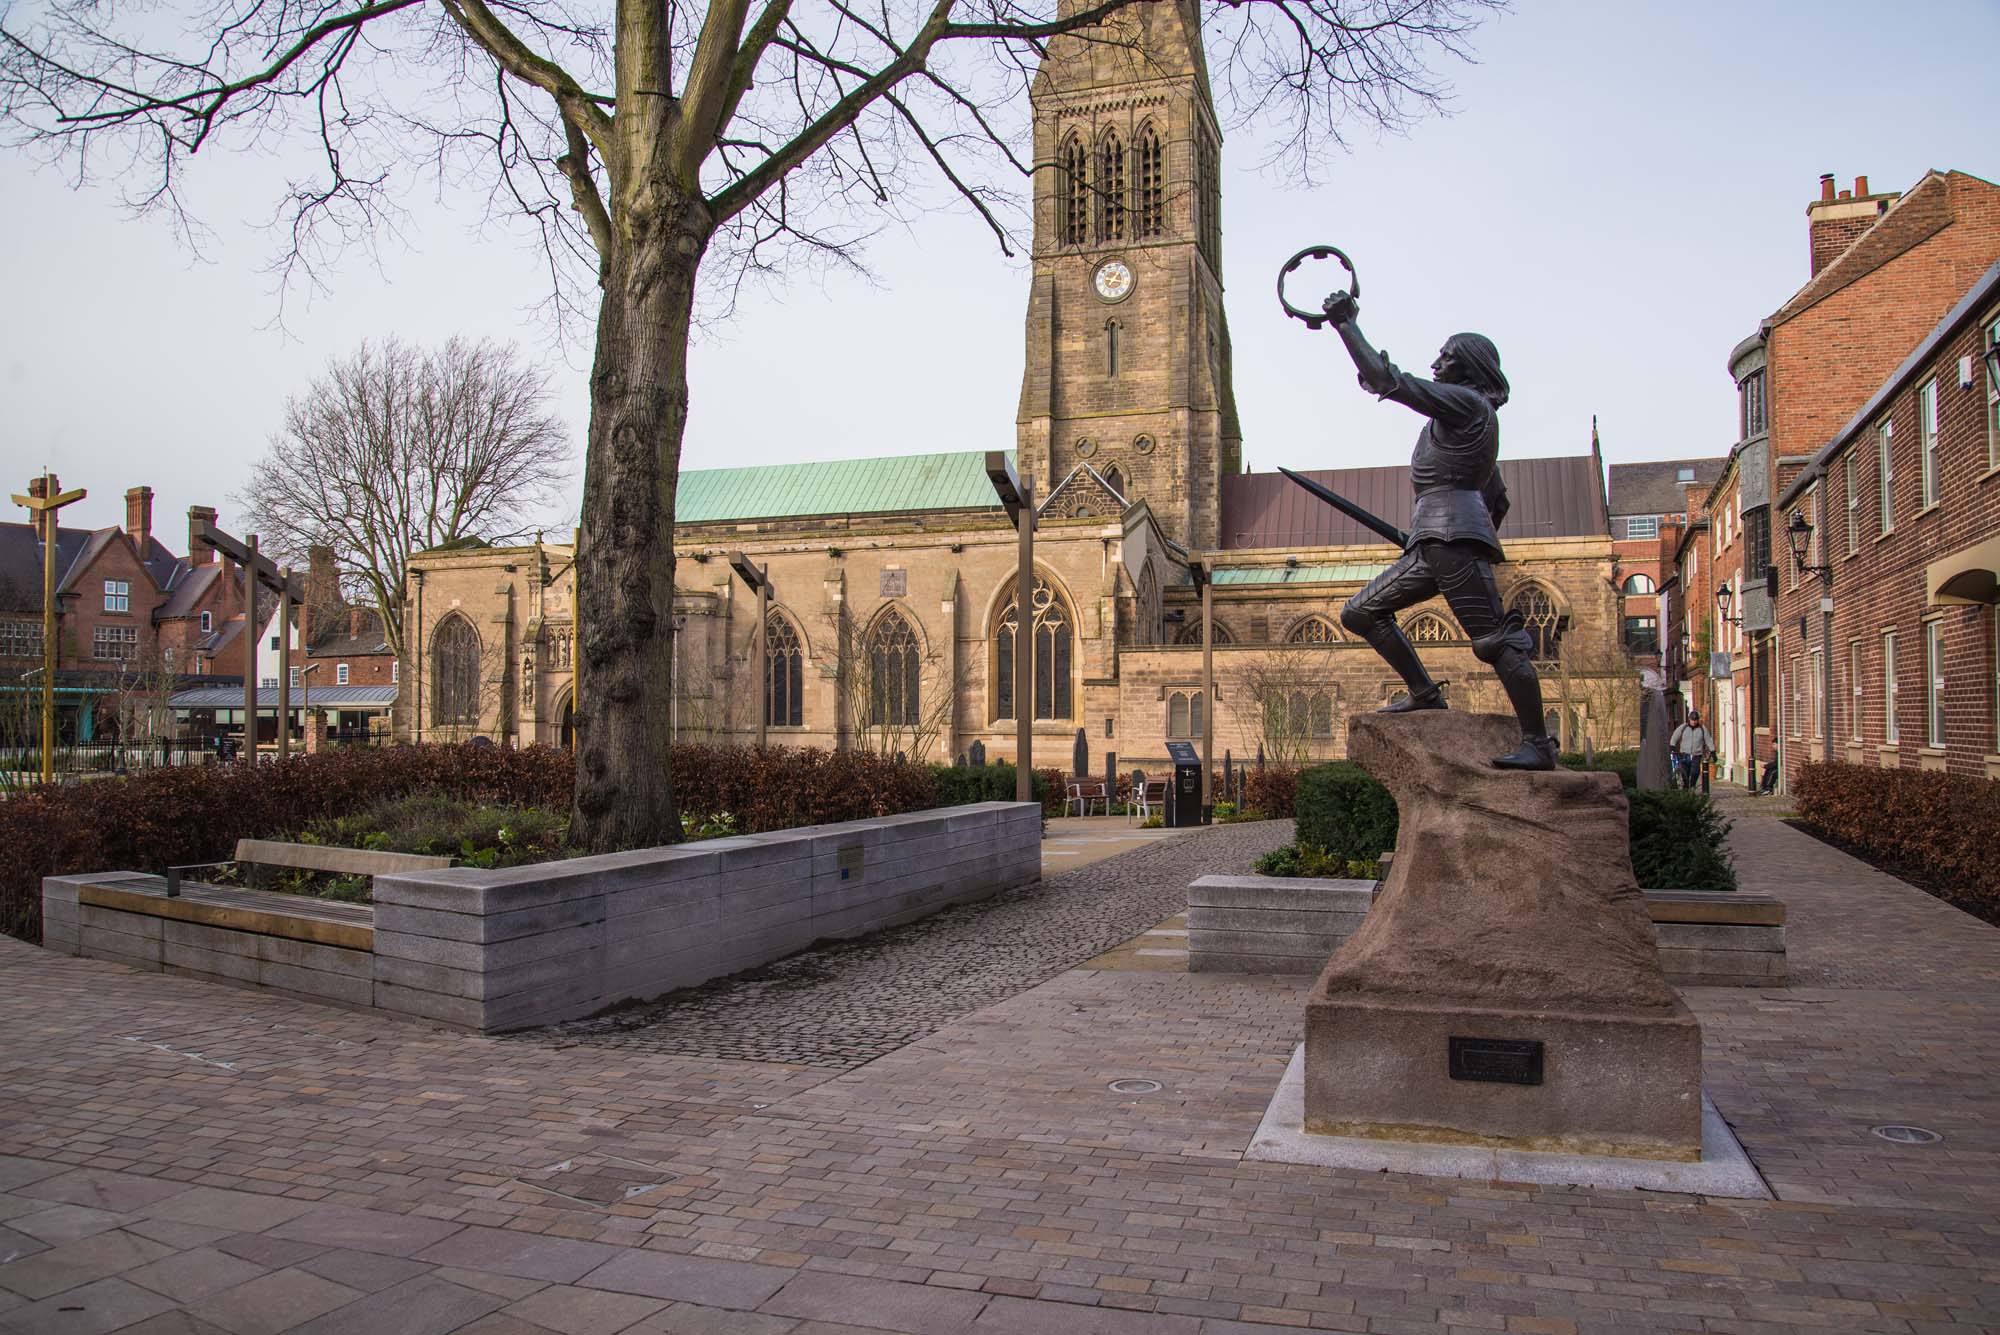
{"x":1127,"y":348}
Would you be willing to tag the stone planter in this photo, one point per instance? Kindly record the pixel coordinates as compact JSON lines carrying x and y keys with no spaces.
{"x":1293,"y":924}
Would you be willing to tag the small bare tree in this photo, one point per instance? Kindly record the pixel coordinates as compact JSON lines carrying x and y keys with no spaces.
{"x":396,"y":449}
{"x":1287,"y":702}
{"x":896,"y":698}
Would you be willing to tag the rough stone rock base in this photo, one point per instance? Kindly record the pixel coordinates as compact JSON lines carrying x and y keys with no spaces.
{"x":1626,"y":1085}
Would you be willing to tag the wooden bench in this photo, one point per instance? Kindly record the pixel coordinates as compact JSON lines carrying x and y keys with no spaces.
{"x":313,"y":857}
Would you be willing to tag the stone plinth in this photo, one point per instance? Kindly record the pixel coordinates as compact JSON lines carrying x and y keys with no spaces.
{"x":1509,"y":913}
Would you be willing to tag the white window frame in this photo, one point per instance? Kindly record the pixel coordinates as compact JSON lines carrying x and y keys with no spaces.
{"x":123,"y":641}
{"x":1885,"y":466}
{"x":117,"y":595}
{"x":1653,"y":520}
{"x":395,"y":670}
{"x":1934,"y":683}
{"x":1855,"y":674}
{"x":1815,"y":693}
{"x":1892,"y":733}
{"x":1927,"y":440}
{"x":1992,"y":401}
{"x":1853,"y":505}
{"x":207,"y":622}
{"x":1797,"y":694}
{"x":340,"y":674}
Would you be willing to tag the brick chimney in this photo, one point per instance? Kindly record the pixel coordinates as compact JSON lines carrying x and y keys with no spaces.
{"x":200,"y":553}
{"x":1838,"y":217}
{"x":322,"y":603}
{"x":139,"y":517}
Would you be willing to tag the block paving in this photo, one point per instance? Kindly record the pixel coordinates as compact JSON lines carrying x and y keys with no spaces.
{"x":179,"y":1156}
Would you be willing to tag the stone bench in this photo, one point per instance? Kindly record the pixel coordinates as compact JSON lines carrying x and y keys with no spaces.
{"x":330,"y":858}
{"x":1294,"y":924}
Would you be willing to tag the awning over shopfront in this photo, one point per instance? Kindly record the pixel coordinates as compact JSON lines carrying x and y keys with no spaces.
{"x":319,"y":697}
{"x":1969,"y":575}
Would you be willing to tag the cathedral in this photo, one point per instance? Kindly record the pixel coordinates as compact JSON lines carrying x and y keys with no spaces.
{"x":890,"y":618}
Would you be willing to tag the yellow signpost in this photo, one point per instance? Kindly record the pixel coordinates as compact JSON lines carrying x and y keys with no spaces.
{"x":45,"y":507}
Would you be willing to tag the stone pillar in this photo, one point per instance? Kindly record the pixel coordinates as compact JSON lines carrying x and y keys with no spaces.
{"x":315,"y":739}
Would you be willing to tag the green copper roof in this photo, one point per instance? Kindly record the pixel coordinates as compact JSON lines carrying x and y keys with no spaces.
{"x":954,"y":481}
{"x":1340,"y":574}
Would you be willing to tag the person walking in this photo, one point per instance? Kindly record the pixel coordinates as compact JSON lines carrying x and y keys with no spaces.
{"x":1692,"y":745}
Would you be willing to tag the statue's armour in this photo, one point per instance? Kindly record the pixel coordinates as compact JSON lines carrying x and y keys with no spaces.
{"x":1460,"y":496}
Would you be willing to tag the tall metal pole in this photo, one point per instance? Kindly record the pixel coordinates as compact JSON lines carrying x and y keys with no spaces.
{"x":763,"y":654}
{"x":250,"y":654}
{"x":285,"y":664}
{"x":1024,"y":651}
{"x":1207,"y":685}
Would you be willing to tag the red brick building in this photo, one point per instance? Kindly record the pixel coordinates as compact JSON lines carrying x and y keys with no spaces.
{"x":1904,"y":504}
{"x":131,"y":615}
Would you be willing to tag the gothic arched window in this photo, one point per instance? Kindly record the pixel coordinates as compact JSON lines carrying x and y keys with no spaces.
{"x":1149,"y":185}
{"x":1191,"y":633}
{"x":1054,"y":646}
{"x":1073,"y":192}
{"x":1110,"y":188}
{"x":1146,"y":608}
{"x":1112,"y":329}
{"x":1320,"y":722}
{"x":1429,"y":628}
{"x":454,"y":672}
{"x":1312,"y":630}
{"x":784,"y":674}
{"x":894,"y":661}
{"x":1114,"y":480}
{"x":1539,"y":615}
{"x":1184,"y":714}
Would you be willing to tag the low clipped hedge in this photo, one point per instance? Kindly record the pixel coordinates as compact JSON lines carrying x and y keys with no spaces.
{"x":1625,"y":764}
{"x":1344,"y":812}
{"x":153,"y":819}
{"x":1677,"y":838}
{"x":1271,"y":790}
{"x":1940,"y":830}
{"x":962,"y":785}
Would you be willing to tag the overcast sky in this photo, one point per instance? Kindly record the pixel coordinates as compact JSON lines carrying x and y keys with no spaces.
{"x":1617,"y":199}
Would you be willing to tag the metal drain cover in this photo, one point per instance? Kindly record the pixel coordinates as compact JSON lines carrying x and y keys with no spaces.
{"x":1908,"y":1135}
{"x":1135,"y":1086}
{"x":597,"y":1179}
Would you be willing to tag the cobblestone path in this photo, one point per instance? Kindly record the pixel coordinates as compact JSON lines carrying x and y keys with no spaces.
{"x":846,"y":1003}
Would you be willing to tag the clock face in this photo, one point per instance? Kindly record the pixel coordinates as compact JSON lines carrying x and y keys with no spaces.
{"x":1113,"y":280}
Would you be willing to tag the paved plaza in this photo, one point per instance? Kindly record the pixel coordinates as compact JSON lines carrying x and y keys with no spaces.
{"x":177,"y":1156}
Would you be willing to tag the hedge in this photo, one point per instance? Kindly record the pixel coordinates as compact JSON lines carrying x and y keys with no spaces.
{"x":1941,"y":830}
{"x":1344,"y":812}
{"x":1677,"y":838}
{"x":1271,"y":790}
{"x":196,"y":813}
{"x":1625,"y":764}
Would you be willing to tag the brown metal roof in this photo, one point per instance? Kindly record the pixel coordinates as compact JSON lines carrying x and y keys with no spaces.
{"x":1551,"y":498}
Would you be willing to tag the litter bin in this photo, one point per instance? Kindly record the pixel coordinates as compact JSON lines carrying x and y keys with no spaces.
{"x":1184,"y":793}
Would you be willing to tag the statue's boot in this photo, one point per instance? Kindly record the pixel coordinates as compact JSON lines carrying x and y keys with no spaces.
{"x":1537,"y":750}
{"x":1388,"y":640}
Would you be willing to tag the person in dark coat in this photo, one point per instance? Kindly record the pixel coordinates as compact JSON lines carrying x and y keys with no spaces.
{"x":1454,"y":534}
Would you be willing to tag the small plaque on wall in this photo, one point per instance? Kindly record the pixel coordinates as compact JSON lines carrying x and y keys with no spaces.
{"x":1506,"y":1061}
{"x":895,"y":584}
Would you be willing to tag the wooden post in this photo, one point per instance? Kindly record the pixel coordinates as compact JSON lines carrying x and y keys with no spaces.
{"x":46,"y":508}
{"x":1024,"y":651}
{"x":250,"y":632}
{"x":1207,"y":687}
{"x":285,"y":664}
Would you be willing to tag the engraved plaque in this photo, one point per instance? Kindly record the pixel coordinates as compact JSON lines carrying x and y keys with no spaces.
{"x":850,"y":860}
{"x":1506,"y":1061}
{"x":895,"y":584}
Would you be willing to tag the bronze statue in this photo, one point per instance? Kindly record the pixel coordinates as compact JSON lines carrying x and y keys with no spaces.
{"x":1453,"y":539}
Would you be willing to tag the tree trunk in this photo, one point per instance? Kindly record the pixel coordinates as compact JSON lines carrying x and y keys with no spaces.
{"x":625,"y":570}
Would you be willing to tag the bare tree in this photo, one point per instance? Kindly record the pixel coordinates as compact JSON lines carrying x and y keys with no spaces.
{"x":397,"y":449}
{"x":894,"y":699}
{"x":1287,"y":703}
{"x":644,"y":144}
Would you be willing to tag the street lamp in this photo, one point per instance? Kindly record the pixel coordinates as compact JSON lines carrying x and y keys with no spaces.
{"x":1724,"y":595}
{"x":1017,"y":496}
{"x":1800,"y":532}
{"x":1993,"y":364}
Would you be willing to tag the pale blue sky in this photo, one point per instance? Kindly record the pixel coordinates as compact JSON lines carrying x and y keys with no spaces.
{"x":1618,"y":198}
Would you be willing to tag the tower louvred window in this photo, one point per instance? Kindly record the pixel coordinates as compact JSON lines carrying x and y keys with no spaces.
{"x":1073,"y":193}
{"x":1149,"y":186}
{"x":1111,"y":188}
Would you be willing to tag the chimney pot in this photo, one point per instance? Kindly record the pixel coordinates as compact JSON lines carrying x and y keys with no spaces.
{"x":1826,"y":186}
{"x":1847,"y":194}
{"x":1860,"y":187}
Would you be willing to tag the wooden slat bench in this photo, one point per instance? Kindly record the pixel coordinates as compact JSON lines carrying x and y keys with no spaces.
{"x":314,"y":857}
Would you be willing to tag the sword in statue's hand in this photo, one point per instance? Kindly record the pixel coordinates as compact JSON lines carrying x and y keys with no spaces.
{"x":1374,"y":523}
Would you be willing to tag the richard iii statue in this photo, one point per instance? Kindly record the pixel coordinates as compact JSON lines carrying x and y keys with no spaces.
{"x":1454,"y":539}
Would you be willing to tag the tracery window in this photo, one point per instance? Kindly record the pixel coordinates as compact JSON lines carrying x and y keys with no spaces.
{"x":1147,"y":608}
{"x":1543,"y":622}
{"x":1184,"y":714}
{"x":1429,"y":628}
{"x":1054,"y":637}
{"x":1149,"y":182}
{"x":454,"y":672}
{"x":784,"y":674}
{"x":1313,"y":630}
{"x":894,"y":660}
{"x":1073,"y":192}
{"x":1110,"y":188}
{"x":1191,"y":633}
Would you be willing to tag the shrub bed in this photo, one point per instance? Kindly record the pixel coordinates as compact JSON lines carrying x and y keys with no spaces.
{"x":1344,"y":812}
{"x":962,"y":785}
{"x":150,"y":820}
{"x":1939,"y":830}
{"x":1272,"y":790}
